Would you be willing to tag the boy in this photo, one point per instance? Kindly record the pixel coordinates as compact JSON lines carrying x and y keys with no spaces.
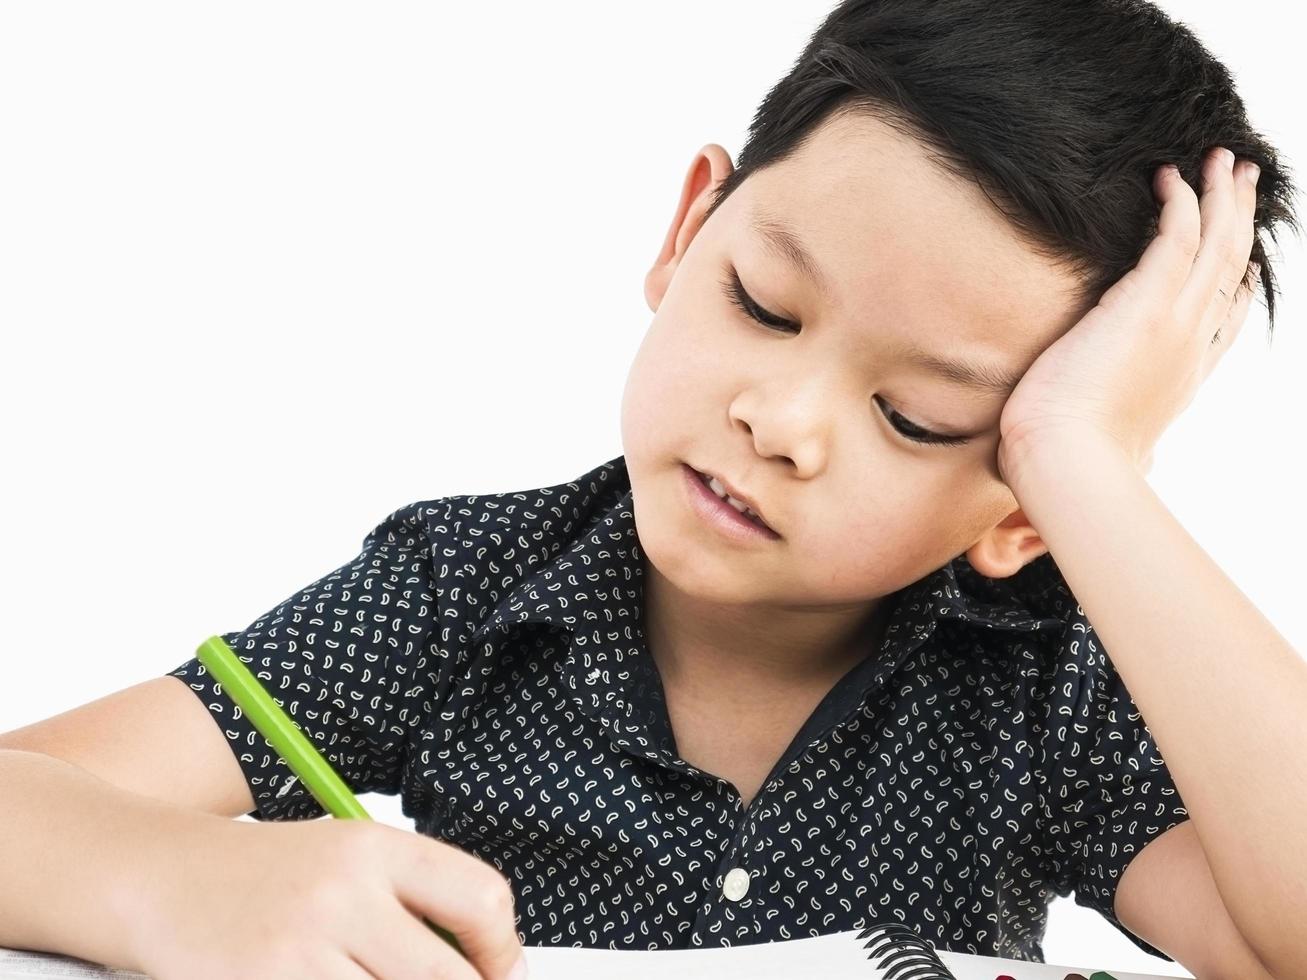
{"x":928,"y":333}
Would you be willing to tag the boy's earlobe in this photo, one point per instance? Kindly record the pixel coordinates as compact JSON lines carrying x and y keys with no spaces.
{"x":1007,"y":547}
{"x":656,"y":281}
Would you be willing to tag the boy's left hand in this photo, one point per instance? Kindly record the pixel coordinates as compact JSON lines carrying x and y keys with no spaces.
{"x":1131,"y":365}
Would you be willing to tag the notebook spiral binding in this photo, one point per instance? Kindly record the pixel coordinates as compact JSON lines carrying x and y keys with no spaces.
{"x":902,"y":954}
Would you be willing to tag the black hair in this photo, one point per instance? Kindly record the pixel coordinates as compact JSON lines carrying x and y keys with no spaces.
{"x":1060,"y":110}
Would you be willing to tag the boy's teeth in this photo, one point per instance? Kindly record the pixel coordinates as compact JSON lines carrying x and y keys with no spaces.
{"x":715,"y":485}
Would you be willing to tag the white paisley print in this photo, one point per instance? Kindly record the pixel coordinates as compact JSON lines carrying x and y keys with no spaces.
{"x":483,"y":657}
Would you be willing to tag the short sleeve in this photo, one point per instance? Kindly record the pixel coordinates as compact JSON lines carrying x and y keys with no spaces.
{"x":1107,"y":790}
{"x":349,"y":658}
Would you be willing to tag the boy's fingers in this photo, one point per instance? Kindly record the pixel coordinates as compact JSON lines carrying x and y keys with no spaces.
{"x":1229,"y":332}
{"x":1241,"y":276}
{"x":1207,"y":294}
{"x":346,"y":967}
{"x":1234,"y":276}
{"x":404,"y":946}
{"x":464,"y":895}
{"x":1167,"y":261}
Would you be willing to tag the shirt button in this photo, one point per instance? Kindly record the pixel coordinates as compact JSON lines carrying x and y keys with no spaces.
{"x":736,"y":884}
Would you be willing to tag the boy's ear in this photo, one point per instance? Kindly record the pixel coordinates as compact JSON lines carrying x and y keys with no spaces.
{"x":710,"y":167}
{"x":1007,"y":547}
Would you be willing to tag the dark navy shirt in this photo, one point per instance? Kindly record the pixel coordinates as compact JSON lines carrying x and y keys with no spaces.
{"x":483,"y":657}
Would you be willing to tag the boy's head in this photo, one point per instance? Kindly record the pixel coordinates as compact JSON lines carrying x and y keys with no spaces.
{"x":966,"y":178}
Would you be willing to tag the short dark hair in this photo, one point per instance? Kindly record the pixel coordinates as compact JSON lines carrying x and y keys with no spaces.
{"x":1060,"y":110}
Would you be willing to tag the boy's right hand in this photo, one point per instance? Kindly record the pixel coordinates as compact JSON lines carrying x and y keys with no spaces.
{"x":322,"y":899}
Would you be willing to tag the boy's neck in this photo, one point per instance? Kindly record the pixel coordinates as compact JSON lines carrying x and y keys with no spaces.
{"x":704,"y":646}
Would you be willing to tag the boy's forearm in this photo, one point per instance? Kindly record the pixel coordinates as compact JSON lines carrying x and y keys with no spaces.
{"x":78,"y":855}
{"x":1220,"y":689}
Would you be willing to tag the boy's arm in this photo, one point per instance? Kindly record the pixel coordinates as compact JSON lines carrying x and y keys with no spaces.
{"x":77,"y":855}
{"x":1220,"y":689}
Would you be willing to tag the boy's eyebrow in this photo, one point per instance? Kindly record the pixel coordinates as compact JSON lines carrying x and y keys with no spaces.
{"x":783,"y":241}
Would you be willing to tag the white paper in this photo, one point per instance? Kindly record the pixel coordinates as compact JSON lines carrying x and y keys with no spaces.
{"x":839,"y":956}
{"x":19,"y":964}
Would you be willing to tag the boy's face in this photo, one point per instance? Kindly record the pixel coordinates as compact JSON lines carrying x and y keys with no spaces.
{"x":909,"y":254}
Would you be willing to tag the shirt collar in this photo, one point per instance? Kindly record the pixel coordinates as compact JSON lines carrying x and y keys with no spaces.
{"x":593,"y":586}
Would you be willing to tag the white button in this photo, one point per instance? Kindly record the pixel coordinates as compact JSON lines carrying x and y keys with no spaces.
{"x":736,"y":884}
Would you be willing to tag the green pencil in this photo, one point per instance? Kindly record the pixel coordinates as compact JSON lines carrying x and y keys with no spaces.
{"x":288,"y":741}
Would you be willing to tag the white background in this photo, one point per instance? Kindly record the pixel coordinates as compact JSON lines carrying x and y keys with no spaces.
{"x":270,"y":270}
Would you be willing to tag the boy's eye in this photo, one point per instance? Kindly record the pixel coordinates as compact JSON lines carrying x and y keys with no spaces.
{"x":736,"y":293}
{"x":915,"y":432}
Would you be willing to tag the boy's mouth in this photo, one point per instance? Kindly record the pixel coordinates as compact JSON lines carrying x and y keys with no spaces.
{"x":723,"y":492}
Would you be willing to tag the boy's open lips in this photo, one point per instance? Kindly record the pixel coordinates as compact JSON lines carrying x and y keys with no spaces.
{"x":719,"y":513}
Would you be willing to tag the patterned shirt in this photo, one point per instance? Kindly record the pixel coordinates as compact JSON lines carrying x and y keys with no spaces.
{"x":483,"y":657}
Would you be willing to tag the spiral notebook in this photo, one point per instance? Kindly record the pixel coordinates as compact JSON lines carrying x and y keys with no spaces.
{"x":884,"y":951}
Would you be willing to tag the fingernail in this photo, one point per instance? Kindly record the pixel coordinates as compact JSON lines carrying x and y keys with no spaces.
{"x":519,"y":969}
{"x":1251,"y":172}
{"x":1228,"y":154}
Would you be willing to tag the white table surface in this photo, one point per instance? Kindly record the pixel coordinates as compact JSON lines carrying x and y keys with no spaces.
{"x":755,"y":962}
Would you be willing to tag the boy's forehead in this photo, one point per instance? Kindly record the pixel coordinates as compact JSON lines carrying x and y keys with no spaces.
{"x":876,"y":231}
